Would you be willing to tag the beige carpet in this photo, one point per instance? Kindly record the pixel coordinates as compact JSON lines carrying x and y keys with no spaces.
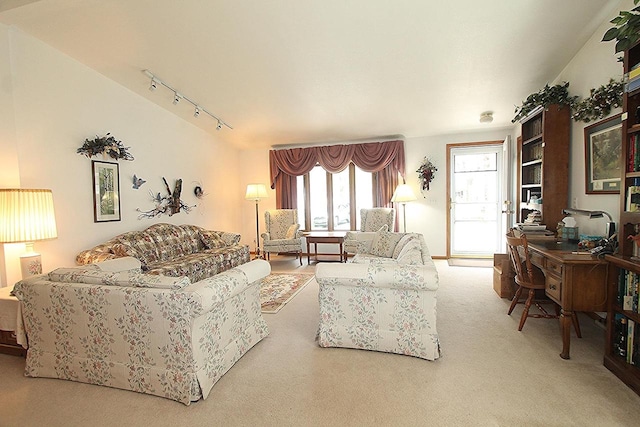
{"x":277,"y":289}
{"x":489,"y":375}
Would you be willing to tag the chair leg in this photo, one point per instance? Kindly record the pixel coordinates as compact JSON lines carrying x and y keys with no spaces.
{"x":576,"y":324}
{"x":515,"y":299}
{"x":300,"y":257}
{"x":525,"y":312}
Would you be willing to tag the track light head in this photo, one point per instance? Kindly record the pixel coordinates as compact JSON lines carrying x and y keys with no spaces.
{"x":176,"y":98}
{"x":153,"y":85}
{"x":196,"y":113}
{"x":219,"y":126}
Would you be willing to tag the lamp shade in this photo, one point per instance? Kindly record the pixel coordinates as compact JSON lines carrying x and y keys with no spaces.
{"x":403,"y":194}
{"x":256,"y":192}
{"x":26,"y":215}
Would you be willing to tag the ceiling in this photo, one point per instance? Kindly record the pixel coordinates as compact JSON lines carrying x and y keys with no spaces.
{"x":284,"y":72}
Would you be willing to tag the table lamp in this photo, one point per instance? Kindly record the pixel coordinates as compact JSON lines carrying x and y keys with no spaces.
{"x":256,"y":192}
{"x":402,"y":195}
{"x":610,"y":227}
{"x":26,"y":216}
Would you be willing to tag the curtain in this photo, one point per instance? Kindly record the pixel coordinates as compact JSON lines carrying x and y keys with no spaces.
{"x":285,"y":165}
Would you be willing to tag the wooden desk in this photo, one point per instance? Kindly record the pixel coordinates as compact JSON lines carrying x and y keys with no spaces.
{"x":575,"y":282}
{"x":315,"y":237}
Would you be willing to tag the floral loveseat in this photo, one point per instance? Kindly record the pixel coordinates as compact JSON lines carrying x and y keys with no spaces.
{"x":384,"y":300}
{"x":111,"y":325}
{"x":174,"y":250}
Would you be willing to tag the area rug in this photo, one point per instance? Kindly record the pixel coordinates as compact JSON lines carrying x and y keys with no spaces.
{"x":279,"y":288}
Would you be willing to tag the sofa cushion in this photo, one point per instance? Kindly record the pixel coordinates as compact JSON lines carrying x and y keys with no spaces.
{"x":384,"y":243}
{"x":292,"y":231}
{"x":211,"y":239}
{"x":92,"y":274}
{"x":120,"y":264}
{"x":138,"y":244}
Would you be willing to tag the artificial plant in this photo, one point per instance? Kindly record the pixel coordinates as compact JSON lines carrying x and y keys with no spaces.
{"x":549,"y":95}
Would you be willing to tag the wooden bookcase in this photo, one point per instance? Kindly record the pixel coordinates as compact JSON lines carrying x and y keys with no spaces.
{"x":626,"y":261}
{"x":543,"y":162}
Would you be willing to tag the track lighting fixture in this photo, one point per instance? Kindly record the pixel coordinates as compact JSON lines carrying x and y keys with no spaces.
{"x":155,"y":81}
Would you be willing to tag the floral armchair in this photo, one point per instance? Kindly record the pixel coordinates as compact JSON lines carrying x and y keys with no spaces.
{"x":283,"y":233}
{"x":371,"y":220}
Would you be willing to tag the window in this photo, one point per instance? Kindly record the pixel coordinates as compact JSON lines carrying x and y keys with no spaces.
{"x":329,"y":201}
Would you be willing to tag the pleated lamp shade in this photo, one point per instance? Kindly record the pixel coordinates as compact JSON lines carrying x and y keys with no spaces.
{"x":27,"y":216}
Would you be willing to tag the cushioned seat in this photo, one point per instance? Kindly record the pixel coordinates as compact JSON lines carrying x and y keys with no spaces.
{"x":282,"y":232}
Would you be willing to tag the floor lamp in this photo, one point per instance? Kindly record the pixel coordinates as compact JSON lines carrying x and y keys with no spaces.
{"x":27,"y":216}
{"x":256,"y":192}
{"x":402,"y":195}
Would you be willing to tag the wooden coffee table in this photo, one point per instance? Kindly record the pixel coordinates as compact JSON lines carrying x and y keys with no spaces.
{"x":315,"y":237}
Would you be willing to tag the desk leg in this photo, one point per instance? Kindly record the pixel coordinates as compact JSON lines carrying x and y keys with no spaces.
{"x":308,"y":252}
{"x":315,"y":251}
{"x":565,"y":329}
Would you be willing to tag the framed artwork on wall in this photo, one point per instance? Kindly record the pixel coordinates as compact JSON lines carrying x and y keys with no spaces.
{"x":602,"y":148}
{"x":106,"y":191}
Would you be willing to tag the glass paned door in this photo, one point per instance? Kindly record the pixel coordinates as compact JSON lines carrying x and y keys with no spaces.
{"x":476,"y":200}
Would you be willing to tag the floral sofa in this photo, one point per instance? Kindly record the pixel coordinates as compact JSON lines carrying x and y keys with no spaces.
{"x":174,"y":250}
{"x":383,"y":300}
{"x":111,"y":325}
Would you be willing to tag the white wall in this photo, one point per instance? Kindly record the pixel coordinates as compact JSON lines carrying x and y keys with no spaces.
{"x":592,"y":67}
{"x":428,"y":215}
{"x":57,"y":103}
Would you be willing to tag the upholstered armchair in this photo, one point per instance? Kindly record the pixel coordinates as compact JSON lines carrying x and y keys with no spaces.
{"x":283,"y":233}
{"x":371,"y":220}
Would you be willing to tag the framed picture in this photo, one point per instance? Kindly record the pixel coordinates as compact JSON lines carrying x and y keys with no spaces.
{"x":106,"y":191}
{"x":602,"y":148}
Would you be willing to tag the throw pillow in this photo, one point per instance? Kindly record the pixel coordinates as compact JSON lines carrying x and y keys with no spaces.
{"x":384,"y":243}
{"x":211,"y":239}
{"x":401,"y":244}
{"x":291,"y":232}
{"x":411,"y":253}
{"x":231,"y":239}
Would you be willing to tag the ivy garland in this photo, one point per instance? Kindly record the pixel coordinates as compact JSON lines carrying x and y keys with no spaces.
{"x":105,"y":144}
{"x":557,"y":94}
{"x":600,"y":102}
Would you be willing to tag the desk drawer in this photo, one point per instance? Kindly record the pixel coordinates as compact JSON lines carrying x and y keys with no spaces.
{"x":553,"y":286}
{"x":554,"y":267}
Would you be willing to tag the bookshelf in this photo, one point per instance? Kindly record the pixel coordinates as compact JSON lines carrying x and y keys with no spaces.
{"x":543,"y":161}
{"x":623,"y":320}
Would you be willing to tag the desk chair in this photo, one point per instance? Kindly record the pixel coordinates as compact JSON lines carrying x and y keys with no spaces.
{"x":529,"y":277}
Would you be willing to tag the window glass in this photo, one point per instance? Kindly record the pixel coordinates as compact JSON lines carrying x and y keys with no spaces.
{"x":318,"y":198}
{"x":476,"y":162}
{"x":341,"y":201}
{"x":337,"y":215}
{"x":301,"y":207}
{"x":364,"y":192}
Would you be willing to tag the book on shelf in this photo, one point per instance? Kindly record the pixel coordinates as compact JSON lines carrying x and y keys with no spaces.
{"x":627,"y":296}
{"x":634,"y":73}
{"x":633,"y":198}
{"x":633,"y":85}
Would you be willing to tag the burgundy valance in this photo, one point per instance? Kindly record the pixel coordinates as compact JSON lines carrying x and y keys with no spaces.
{"x":370,"y":157}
